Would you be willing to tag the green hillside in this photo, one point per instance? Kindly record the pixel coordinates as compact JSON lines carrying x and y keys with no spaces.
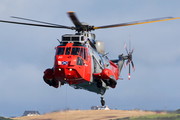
{"x":154,"y":117}
{"x":2,"y":118}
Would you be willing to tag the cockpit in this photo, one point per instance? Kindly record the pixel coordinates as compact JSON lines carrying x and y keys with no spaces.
{"x":75,"y":50}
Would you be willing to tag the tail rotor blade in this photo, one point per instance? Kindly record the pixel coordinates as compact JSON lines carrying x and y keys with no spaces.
{"x":126,"y":48}
{"x":129,"y":43}
{"x":129,"y":77}
{"x":129,"y":72}
{"x":132,"y":51}
{"x":126,"y":63}
{"x":133,"y":65}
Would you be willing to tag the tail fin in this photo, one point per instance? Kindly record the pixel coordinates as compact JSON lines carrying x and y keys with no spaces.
{"x":120,"y":62}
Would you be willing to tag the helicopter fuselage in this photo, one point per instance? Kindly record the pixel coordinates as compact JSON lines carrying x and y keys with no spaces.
{"x":80,"y":65}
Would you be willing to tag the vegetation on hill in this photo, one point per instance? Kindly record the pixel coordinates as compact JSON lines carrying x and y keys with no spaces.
{"x":2,"y":118}
{"x":173,"y":115}
{"x":168,"y":116}
{"x":159,"y":117}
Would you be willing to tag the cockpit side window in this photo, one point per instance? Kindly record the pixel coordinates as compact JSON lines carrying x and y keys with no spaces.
{"x":68,"y":50}
{"x":79,"y":61}
{"x":75,"y":51}
{"x":60,"y":51}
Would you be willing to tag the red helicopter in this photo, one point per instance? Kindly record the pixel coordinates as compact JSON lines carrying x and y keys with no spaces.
{"x":81,"y":61}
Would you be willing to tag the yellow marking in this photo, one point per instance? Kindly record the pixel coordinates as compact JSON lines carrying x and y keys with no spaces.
{"x":96,"y":27}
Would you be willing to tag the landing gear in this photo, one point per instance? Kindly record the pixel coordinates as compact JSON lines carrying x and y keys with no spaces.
{"x":99,"y":84}
{"x":102,"y":101}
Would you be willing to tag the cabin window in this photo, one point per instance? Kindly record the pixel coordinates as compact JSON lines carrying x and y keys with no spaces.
{"x":75,"y":51}
{"x":68,"y":49}
{"x":85,"y":54}
{"x":60,"y":51}
{"x":88,"y":52}
{"x":79,"y":61}
{"x":81,"y":53}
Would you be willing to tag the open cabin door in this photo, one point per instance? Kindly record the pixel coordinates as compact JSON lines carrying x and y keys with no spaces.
{"x":87,"y":65}
{"x":84,"y":56}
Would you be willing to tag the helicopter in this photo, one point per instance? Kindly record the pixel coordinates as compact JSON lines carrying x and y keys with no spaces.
{"x":81,"y":61}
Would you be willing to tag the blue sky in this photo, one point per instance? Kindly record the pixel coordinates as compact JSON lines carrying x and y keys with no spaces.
{"x":27,"y":51}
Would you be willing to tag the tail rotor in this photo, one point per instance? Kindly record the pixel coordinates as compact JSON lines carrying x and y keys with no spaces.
{"x":129,"y":59}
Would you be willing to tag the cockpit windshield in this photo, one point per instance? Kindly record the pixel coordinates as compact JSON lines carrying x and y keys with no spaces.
{"x":72,"y":51}
{"x":75,"y":51}
{"x":60,"y":51}
{"x":68,"y":50}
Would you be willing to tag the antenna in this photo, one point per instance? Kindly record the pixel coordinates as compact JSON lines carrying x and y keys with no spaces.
{"x":59,"y":41}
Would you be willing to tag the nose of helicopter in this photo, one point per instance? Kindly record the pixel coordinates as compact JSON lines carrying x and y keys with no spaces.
{"x":66,"y":74}
{"x":66,"y":70}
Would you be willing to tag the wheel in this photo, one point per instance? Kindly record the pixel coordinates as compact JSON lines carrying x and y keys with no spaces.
{"x":102,"y":102}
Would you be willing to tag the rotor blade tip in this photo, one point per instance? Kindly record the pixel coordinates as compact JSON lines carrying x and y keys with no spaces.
{"x":129,"y":76}
{"x":71,"y":12}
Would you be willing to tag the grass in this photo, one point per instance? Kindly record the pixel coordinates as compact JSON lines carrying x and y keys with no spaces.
{"x":155,"y":117}
{"x":2,"y":118}
{"x":158,"y":117}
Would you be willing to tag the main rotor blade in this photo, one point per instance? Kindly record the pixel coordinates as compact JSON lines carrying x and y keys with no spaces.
{"x":74,"y":19}
{"x":138,"y":22}
{"x":39,"y":25}
{"x":62,"y":26}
